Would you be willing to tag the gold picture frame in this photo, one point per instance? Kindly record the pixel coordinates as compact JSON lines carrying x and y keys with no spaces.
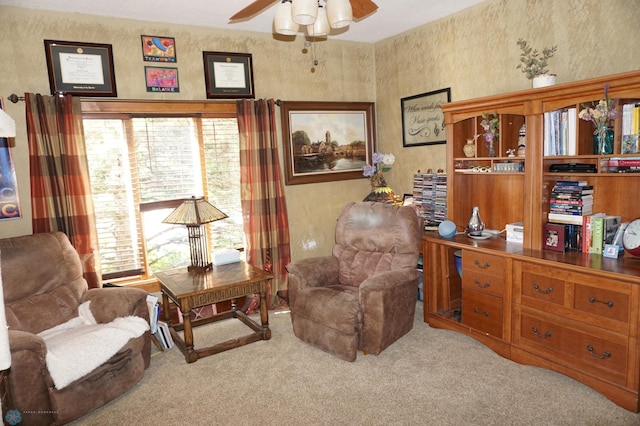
{"x":327,"y":141}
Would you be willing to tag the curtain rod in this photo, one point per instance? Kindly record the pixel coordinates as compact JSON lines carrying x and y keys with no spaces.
{"x":15,"y":98}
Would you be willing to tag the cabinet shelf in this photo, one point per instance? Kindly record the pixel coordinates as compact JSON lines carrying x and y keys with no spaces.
{"x":498,"y":299}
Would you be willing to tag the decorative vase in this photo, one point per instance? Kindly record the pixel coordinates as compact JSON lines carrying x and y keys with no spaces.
{"x":470,"y":148}
{"x":492,"y":149}
{"x":603,"y":140}
{"x":475,"y":225}
{"x":543,"y":80}
{"x":381,"y":194}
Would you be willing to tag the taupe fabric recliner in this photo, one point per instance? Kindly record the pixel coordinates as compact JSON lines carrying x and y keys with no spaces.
{"x":364,"y":295}
{"x":43,"y":287}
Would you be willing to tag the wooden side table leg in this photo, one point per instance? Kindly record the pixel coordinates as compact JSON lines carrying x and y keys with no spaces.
{"x":190,"y":355}
{"x":166,"y":308}
{"x":234,"y":307}
{"x":264,"y":316}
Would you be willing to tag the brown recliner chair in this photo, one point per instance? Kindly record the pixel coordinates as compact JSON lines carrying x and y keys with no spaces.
{"x":43,"y":287}
{"x":364,"y":295}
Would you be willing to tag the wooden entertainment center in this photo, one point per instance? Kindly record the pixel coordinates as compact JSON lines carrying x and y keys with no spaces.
{"x":574,"y":313}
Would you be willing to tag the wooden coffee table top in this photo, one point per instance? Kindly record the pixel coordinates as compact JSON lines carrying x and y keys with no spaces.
{"x":180,"y":283}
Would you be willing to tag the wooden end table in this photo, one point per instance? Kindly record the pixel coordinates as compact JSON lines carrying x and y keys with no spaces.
{"x":189,"y":290}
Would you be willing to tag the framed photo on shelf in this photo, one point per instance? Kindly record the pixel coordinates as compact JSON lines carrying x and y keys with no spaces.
{"x":158,"y":49}
{"x":228,"y":75}
{"x":326,"y":141}
{"x":423,"y":119}
{"x":84,"y":69}
{"x":555,"y":237}
{"x":161,"y":79}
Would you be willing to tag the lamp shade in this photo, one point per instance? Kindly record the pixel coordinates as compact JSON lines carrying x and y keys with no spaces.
{"x":304,"y":12}
{"x":321,"y":27}
{"x":283,"y":22}
{"x":7,"y":126}
{"x":194,"y":211}
{"x":339,"y":13}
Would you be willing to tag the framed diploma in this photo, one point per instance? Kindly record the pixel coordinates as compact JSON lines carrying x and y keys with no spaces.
{"x":228,"y":75}
{"x":423,"y":119}
{"x":84,"y":69}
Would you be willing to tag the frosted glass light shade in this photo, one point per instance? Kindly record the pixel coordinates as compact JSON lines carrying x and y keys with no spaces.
{"x":283,"y":22}
{"x":321,"y":27}
{"x":339,"y":13}
{"x":304,"y":12}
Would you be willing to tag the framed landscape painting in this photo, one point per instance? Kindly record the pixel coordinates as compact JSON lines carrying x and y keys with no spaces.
{"x":326,"y":141}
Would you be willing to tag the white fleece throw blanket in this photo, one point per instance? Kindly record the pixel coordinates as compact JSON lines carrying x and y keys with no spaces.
{"x":80,"y":345}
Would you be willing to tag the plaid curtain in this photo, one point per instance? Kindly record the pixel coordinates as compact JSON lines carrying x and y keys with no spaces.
{"x":266,"y":223}
{"x":60,"y":191}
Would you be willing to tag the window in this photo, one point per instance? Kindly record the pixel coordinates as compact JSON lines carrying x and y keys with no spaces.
{"x":142,"y":164}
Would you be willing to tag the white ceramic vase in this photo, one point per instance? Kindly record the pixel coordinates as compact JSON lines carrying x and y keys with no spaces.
{"x":543,"y":80}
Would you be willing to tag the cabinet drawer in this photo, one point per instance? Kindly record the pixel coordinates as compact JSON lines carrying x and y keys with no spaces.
{"x":542,"y":287}
{"x":483,"y":283}
{"x":602,"y":302}
{"x":482,"y":312}
{"x":482,"y":262}
{"x":606,"y":357}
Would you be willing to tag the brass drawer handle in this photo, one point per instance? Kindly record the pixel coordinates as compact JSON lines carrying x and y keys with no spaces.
{"x":478,"y":311}
{"x":537,"y":288}
{"x":542,"y":336}
{"x":485,"y":266}
{"x":606,"y":354}
{"x":485,"y":285}
{"x":594,"y":300}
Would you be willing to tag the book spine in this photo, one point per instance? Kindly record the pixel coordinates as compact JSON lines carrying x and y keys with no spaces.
{"x":571,"y":183}
{"x":624,"y":162}
{"x":586,"y":234}
{"x":597,"y":234}
{"x":570,"y":201}
{"x":564,"y":218}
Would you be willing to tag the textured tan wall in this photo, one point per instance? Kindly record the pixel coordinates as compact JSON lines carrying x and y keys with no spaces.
{"x":281,"y":71}
{"x":473,"y":52}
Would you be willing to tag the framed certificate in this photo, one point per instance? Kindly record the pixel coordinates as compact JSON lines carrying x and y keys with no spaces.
{"x":228,"y":75}
{"x":84,"y":69}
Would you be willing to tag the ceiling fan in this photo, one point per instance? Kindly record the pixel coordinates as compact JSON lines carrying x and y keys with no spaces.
{"x":361,"y":8}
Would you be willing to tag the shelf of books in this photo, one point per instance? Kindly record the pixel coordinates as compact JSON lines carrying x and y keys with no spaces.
{"x":572,"y":223}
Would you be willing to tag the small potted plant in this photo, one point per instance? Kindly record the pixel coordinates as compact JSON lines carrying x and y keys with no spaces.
{"x":534,"y":64}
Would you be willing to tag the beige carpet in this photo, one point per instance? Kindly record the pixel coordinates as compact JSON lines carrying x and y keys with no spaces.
{"x":429,"y":377}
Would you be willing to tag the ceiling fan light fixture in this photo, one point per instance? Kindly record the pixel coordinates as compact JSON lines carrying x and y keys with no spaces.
{"x":283,"y":22}
{"x":304,"y":12}
{"x":339,"y":13}
{"x":321,"y":27}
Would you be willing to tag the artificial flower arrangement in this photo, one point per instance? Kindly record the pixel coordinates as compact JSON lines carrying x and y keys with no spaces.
{"x":381,"y":163}
{"x":491,"y":125}
{"x":534,"y":62}
{"x":600,"y":113}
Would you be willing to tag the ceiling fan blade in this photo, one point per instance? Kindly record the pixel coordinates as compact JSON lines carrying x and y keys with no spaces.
{"x":362,"y":8}
{"x":254,"y":8}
